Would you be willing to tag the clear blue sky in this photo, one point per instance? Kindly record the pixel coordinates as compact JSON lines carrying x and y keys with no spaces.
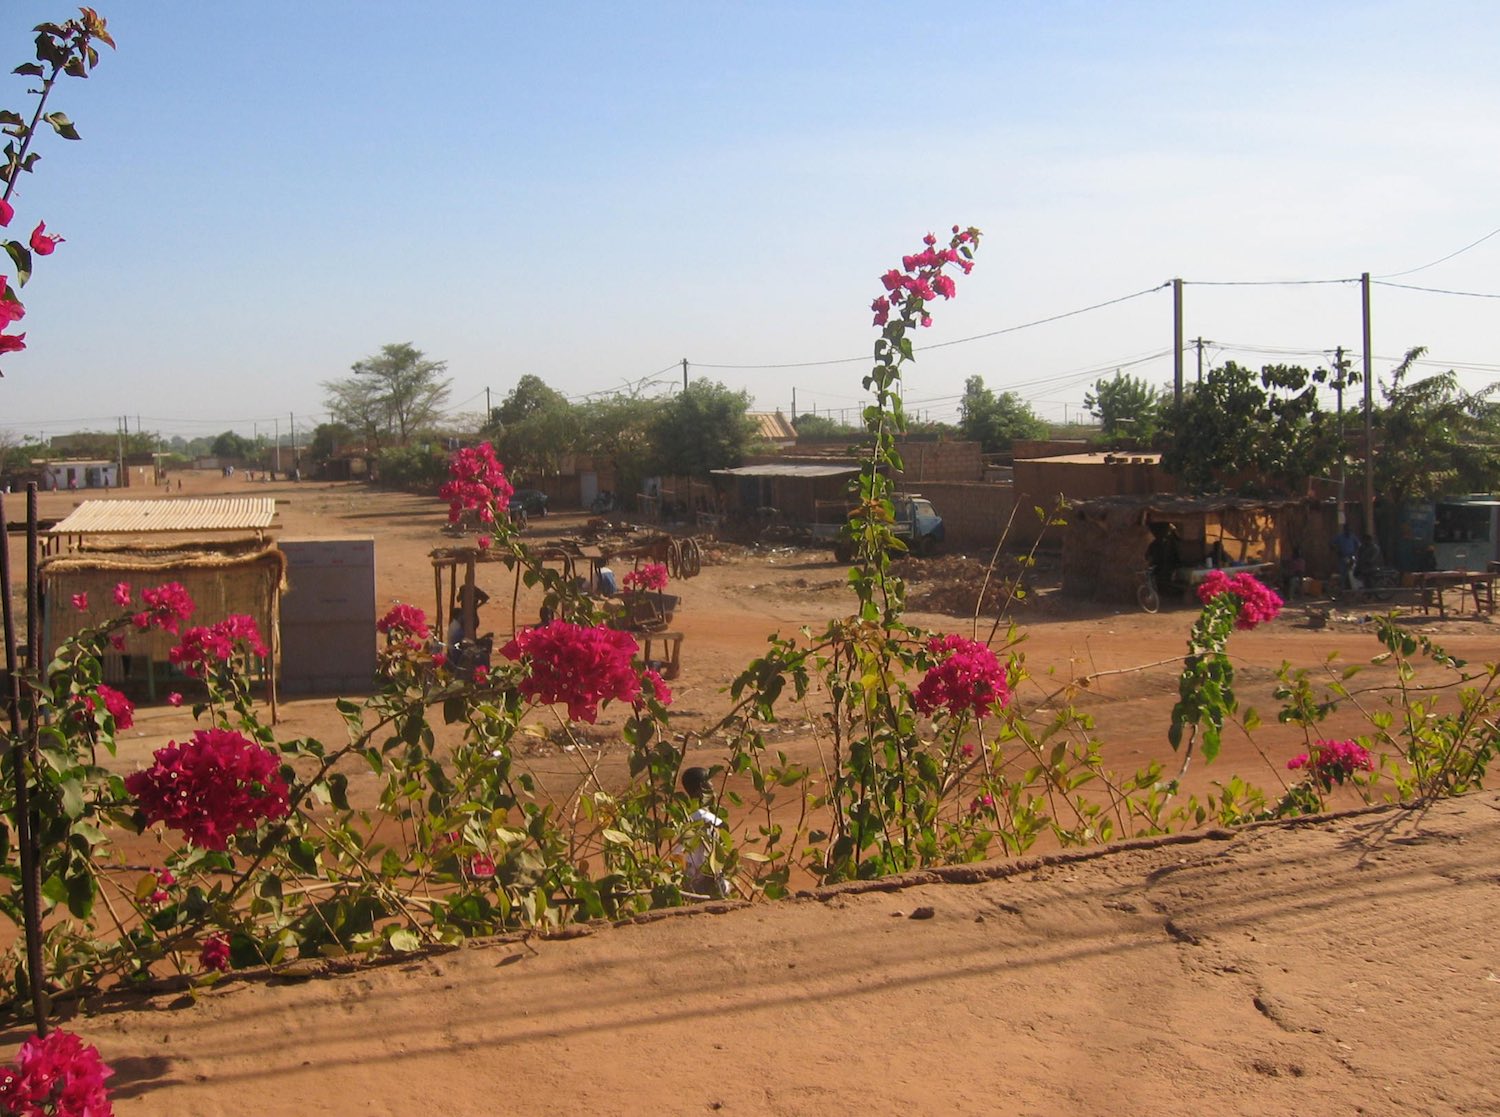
{"x":267,"y":192}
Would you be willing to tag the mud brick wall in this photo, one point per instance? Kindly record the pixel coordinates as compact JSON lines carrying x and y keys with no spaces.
{"x":940,"y":461}
{"x":974,"y":513}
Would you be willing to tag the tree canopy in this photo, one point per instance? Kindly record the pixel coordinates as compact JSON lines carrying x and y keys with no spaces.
{"x":392,"y":395}
{"x":1435,"y":439}
{"x":996,"y":421}
{"x":1126,"y":407}
{"x":703,"y":428}
{"x":231,"y":445}
{"x":533,"y":427}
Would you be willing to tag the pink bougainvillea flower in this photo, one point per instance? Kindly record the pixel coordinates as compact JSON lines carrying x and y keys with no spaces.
{"x":966,"y":678}
{"x":920,"y":278}
{"x":122,"y":594}
{"x":482,"y":865}
{"x":81,"y":602}
{"x":12,"y":343}
{"x":117,"y":642}
{"x":481,"y":675}
{"x":56,"y":1074}
{"x":7,"y":211}
{"x":1257,"y":602}
{"x":578,"y":665}
{"x":652,"y":682}
{"x":648,"y":576}
{"x":174,"y":699}
{"x":404,"y":622}
{"x":1332,"y":762}
{"x":119,"y":707}
{"x":215,"y":954}
{"x":165,"y":878}
{"x":202,"y":647}
{"x":11,"y":309}
{"x":211,"y":787}
{"x":168,"y":606}
{"x":44,"y":243}
{"x":484,"y":542}
{"x":476,"y":481}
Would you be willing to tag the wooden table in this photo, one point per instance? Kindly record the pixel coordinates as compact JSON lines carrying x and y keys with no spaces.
{"x":1479,"y":584}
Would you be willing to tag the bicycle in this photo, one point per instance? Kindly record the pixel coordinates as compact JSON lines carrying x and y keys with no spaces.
{"x":1146,"y":594}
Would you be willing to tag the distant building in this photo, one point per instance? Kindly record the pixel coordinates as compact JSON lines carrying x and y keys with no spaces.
{"x":80,"y":473}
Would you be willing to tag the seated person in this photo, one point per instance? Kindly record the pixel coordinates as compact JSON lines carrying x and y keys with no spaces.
{"x":1368,"y":561}
{"x":468,"y":606}
{"x":1293,"y":571}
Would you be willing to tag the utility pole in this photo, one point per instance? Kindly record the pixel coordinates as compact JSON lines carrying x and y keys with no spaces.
{"x":1364,"y":288}
{"x":277,"y":467}
{"x":684,"y":374}
{"x":1338,"y":387}
{"x":120,"y":428}
{"x":292,"y":419}
{"x":794,"y":405}
{"x":1177,"y":342}
{"x":489,"y":412}
{"x":1200,"y":343}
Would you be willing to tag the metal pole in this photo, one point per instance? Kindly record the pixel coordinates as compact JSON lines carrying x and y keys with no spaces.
{"x":1338,"y":387}
{"x":277,"y":434}
{"x":684,"y":374}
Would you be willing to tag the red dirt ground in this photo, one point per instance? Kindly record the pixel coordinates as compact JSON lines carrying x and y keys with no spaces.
{"x":1342,"y":966}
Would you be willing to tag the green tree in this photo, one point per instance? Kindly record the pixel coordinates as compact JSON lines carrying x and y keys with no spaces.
{"x":1262,"y":432}
{"x":1435,"y":439}
{"x":996,"y":421}
{"x":815,"y":426}
{"x":617,"y":429}
{"x":1126,"y":407}
{"x":327,"y":439}
{"x":533,"y":427}
{"x":701,"y":429}
{"x":392,"y":395}
{"x":231,"y":445}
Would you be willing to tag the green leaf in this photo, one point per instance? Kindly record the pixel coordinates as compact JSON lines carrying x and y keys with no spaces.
{"x":72,"y":798}
{"x":20,"y":255}
{"x":31,"y":69}
{"x":404,"y":941}
{"x":81,"y":892}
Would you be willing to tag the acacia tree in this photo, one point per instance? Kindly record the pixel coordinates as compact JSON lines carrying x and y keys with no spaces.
{"x":996,"y":421}
{"x":701,"y":429}
{"x":391,"y":396}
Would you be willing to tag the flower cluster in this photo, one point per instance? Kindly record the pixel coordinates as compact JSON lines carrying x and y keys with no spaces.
{"x":56,"y":1074}
{"x":215,"y":954}
{"x":201,"y":647}
{"x":652,"y":681}
{"x":210,"y":787}
{"x":1258,"y":602}
{"x":119,"y":707}
{"x":1332,"y":762}
{"x":578,"y":665}
{"x":404,"y":624}
{"x":921,"y":277}
{"x":164,"y":880}
{"x":12,"y":309}
{"x":647,"y":576}
{"x":966,"y":677}
{"x":169,"y":605}
{"x":477,"y":480}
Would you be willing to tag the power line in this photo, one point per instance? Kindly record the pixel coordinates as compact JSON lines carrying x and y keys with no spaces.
{"x":1437,"y":290}
{"x":1440,"y":260}
{"x":1264,"y":282}
{"x":946,"y":344}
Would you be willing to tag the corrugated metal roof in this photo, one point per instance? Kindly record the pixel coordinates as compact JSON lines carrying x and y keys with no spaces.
{"x":772,"y":426}
{"x":138,"y":517}
{"x":788,"y":471}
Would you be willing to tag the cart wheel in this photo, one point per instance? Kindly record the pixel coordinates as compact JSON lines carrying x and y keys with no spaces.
{"x":674,"y":558}
{"x":692,"y":558}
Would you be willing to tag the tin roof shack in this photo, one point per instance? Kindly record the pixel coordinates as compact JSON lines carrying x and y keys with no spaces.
{"x":151,"y":542}
{"x":793,"y":490}
{"x":1104,"y":547}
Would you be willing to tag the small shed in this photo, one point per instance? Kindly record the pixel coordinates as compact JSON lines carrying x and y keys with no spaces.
{"x":1104,"y":546}
{"x":792,"y":489}
{"x":148,"y":543}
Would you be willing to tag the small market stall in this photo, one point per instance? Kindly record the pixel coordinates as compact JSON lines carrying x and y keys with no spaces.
{"x":1106,"y":542}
